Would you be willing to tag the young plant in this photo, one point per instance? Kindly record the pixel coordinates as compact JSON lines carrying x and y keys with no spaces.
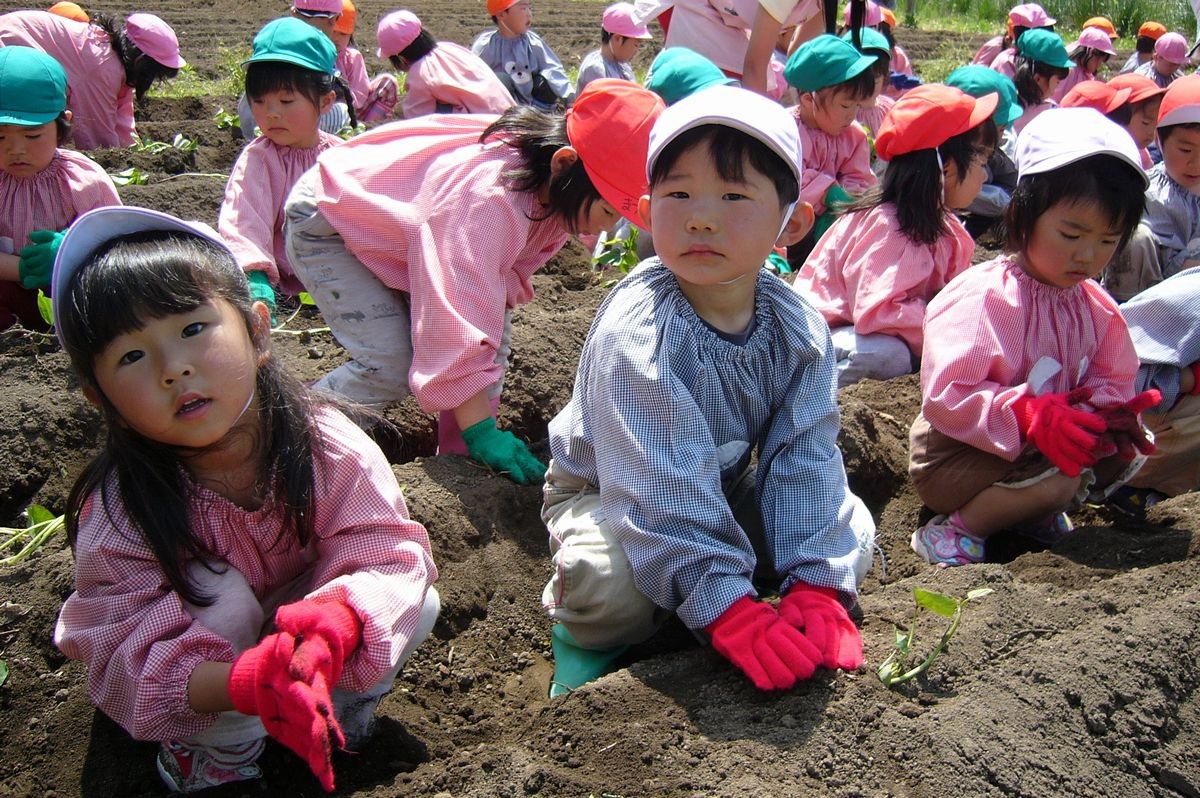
{"x":226,"y":120}
{"x":184,"y":144}
{"x":3,"y":672}
{"x":130,"y":177}
{"x":45,"y":308}
{"x":892,"y":672}
{"x":619,"y":253}
{"x":40,"y":526}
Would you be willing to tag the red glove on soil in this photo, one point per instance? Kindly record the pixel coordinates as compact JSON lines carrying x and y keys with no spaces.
{"x":326,"y":633}
{"x":1066,"y":435}
{"x":1125,"y":432}
{"x":298,"y":713}
{"x":817,"y":612}
{"x":752,"y":636}
{"x":1195,"y":368}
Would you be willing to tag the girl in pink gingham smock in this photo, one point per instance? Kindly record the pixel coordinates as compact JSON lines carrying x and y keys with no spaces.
{"x":417,"y":239}
{"x":106,"y":68}
{"x":289,"y":81}
{"x":42,"y":188}
{"x":227,"y":504}
{"x":1027,"y":370}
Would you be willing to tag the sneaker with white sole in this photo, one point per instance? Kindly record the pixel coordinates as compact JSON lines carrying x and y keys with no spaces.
{"x":943,"y":543}
{"x":185,"y":769}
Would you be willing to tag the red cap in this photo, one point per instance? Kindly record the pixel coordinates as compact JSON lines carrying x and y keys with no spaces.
{"x":609,"y":126}
{"x":1104,"y":97}
{"x":1141,"y":88}
{"x":1181,"y":103}
{"x":925,"y":117}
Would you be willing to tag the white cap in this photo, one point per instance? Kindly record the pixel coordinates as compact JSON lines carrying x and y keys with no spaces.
{"x":1062,"y":136}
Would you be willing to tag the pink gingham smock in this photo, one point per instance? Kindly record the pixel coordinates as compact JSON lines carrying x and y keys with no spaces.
{"x":450,"y":74}
{"x":988,"y":329}
{"x":1006,"y":62}
{"x":100,"y":102}
{"x":50,"y":200}
{"x":865,"y":272}
{"x":844,"y":159}
{"x":251,"y":217}
{"x":871,"y":118}
{"x":139,"y":643}
{"x":988,"y":51}
{"x":353,"y":70}
{"x":426,"y":208}
{"x":1074,"y":77}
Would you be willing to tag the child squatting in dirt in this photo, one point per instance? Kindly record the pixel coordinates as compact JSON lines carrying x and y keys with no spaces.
{"x":695,"y":360}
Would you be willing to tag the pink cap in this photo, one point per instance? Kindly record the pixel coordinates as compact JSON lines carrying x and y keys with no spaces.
{"x":1095,"y":39}
{"x":1172,"y":47}
{"x":618,"y":18}
{"x":331,"y":7}
{"x":1030,"y":15}
{"x":155,"y":38}
{"x":872,"y":17}
{"x":396,"y":31}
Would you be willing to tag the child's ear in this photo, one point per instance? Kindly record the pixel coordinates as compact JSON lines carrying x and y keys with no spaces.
{"x":327,"y":101}
{"x":260,"y":330}
{"x":562,"y":160}
{"x":644,"y":211}
{"x":798,"y":225}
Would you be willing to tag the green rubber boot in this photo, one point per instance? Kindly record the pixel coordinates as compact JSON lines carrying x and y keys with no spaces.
{"x":574,"y":665}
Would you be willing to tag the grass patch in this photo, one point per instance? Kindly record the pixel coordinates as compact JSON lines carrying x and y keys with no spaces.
{"x":225,"y":80}
{"x":988,"y":16}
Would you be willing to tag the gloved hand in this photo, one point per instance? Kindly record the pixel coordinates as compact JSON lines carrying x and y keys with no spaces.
{"x":297,"y":713}
{"x":1066,"y":435}
{"x":817,"y":612}
{"x":261,"y":291}
{"x":774,"y":654}
{"x":36,"y":262}
{"x":835,"y":199}
{"x":1125,"y":433}
{"x":502,"y":451}
{"x":327,"y":632}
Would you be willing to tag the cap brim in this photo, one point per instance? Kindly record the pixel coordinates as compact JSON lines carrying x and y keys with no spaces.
{"x":985,"y":107}
{"x":286,"y":58}
{"x":28,"y":119}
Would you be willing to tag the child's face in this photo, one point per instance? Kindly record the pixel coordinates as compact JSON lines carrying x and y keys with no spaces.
{"x":340,"y":40}
{"x":834,"y":111}
{"x":599,"y":217}
{"x":1144,"y":121}
{"x":623,"y":47}
{"x":1070,"y":243}
{"x":183,"y":380}
{"x":1095,"y":63}
{"x":1047,"y":84}
{"x":1164,"y":67}
{"x":516,"y":19}
{"x":289,"y":118}
{"x":961,"y":190}
{"x":27,"y":150}
{"x":1181,"y":158}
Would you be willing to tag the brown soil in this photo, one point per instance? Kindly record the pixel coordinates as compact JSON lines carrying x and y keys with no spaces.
{"x":1077,"y":676}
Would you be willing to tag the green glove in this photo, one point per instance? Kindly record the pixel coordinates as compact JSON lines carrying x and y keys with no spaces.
{"x":574,"y":665}
{"x":261,"y":291}
{"x":836,"y":196}
{"x":502,"y":451}
{"x":37,"y":260}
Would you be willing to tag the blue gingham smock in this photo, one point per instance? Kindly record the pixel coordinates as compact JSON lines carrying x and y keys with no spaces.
{"x":665,"y":412}
{"x":1164,"y":323}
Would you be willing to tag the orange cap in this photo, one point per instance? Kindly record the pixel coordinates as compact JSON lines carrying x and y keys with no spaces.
{"x":345,"y":23}
{"x":1103,"y":23}
{"x":69,"y":10}
{"x":888,"y":15}
{"x":1181,"y":102}
{"x":1141,"y":88}
{"x":1104,"y":97}
{"x":927,"y":116}
{"x":497,"y":7}
{"x":1152,"y":29}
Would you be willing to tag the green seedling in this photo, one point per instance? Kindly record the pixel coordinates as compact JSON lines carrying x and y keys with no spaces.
{"x":892,"y":672}
{"x":45,"y":308}
{"x":3,"y":672}
{"x":184,"y":144}
{"x":619,"y":253}
{"x":347,"y":132}
{"x":226,"y":120}
{"x":130,"y":177}
{"x":40,"y":526}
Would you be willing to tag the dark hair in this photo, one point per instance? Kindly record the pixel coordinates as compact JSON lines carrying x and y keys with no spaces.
{"x":1080,"y":55}
{"x":914,"y":183}
{"x":1145,"y":44}
{"x":151,"y":276}
{"x":141,"y":71}
{"x":537,"y":135}
{"x":1025,"y":79}
{"x":1122,"y":115}
{"x":604,"y":36}
{"x":881,"y":67}
{"x":1165,"y":132}
{"x":1111,"y":183}
{"x":263,"y":77}
{"x":417,"y":49}
{"x":62,"y":128}
{"x":859,"y":87}
{"x":731,"y":151}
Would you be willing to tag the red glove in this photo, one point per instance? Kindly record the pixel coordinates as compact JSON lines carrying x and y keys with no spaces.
{"x":1066,"y":435}
{"x":299,"y":714}
{"x":752,"y":636}
{"x":1125,"y":433}
{"x":1195,"y":368}
{"x":817,"y":612}
{"x":326,"y":632}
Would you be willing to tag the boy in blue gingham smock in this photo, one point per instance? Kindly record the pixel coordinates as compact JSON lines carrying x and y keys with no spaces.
{"x":652,"y":502}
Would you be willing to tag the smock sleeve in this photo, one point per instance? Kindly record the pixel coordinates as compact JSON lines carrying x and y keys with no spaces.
{"x":126,"y":128}
{"x":1113,"y":368}
{"x":248,"y":212}
{"x":551,"y":68}
{"x":87,"y":184}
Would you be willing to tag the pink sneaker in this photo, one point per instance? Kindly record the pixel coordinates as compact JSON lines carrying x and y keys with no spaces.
{"x":943,"y":543}
{"x":185,"y":769}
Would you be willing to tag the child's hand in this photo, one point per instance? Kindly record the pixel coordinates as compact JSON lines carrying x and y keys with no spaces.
{"x":327,"y":632}
{"x":752,"y":636}
{"x":261,"y":291}
{"x":817,"y":612}
{"x":37,"y":259}
{"x":1125,"y":434}
{"x":502,"y":451}
{"x":1067,"y":435}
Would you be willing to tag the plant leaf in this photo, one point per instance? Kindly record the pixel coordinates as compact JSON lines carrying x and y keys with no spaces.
{"x":935,"y":602}
{"x":306,"y":299}
{"x":37,"y":514}
{"x":978,"y":592}
{"x":3,"y":672}
{"x":45,"y":308}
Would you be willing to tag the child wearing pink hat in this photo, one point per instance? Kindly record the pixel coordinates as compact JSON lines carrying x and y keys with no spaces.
{"x":525,"y":64}
{"x":1170,"y":56}
{"x":1022,"y":18}
{"x":620,"y":38}
{"x":1028,"y":403}
{"x":1090,"y":52}
{"x":889,"y":253}
{"x":107,"y":67}
{"x":440,"y":77}
{"x":1019,"y":19}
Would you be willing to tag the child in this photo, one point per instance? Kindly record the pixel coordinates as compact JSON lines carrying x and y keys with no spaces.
{"x":678,"y":72}
{"x":417,"y":239}
{"x":1022,"y":18}
{"x":985,"y":212}
{"x":1043,"y":65}
{"x":873,"y":43}
{"x":1090,"y":53}
{"x":1145,"y":98}
{"x":988,"y":51}
{"x":227,"y":503}
{"x":525,"y":64}
{"x":1103,"y":97}
{"x":42,"y":186}
{"x":1147,"y":35}
{"x":620,"y":38}
{"x":1027,"y":370}
{"x":441,"y":77}
{"x":696,"y":361}
{"x":900,"y":61}
{"x":289,"y":82}
{"x":1173,"y":198}
{"x":1170,"y":56}
{"x":889,"y":253}
{"x":107,"y":69}
{"x":834,"y":80}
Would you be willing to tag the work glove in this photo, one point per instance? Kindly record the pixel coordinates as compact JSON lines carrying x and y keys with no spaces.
{"x":835,"y":200}
{"x":36,"y":261}
{"x":327,"y":632}
{"x":1125,"y":435}
{"x":1067,"y":435}
{"x":261,"y":291}
{"x":502,"y":451}
{"x":267,"y":681}
{"x":1195,"y":369}
{"x":765,"y":647}
{"x":820,"y":615}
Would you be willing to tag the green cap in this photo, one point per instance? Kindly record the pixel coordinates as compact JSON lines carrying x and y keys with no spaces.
{"x":978,"y":80}
{"x":1046,"y":46}
{"x":33,"y":87}
{"x":291,"y":41}
{"x":825,"y":61}
{"x":873,"y":42}
{"x":678,"y":72}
